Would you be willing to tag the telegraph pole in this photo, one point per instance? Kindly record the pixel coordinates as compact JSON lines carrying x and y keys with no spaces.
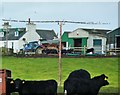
{"x":6,"y":26}
{"x":60,"y":61}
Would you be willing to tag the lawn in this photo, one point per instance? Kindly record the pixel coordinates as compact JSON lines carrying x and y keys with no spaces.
{"x":47,"y":68}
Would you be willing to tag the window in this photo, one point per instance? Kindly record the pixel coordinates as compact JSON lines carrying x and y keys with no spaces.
{"x":97,"y":42}
{"x":1,"y":34}
{"x":12,"y":45}
{"x":16,"y":33}
{"x":118,"y":42}
{"x":5,"y":44}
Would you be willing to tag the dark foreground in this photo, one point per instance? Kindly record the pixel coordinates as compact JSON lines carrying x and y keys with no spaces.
{"x":98,"y":94}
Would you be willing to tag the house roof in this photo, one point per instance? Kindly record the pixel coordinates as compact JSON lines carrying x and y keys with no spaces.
{"x":45,"y":34}
{"x":56,"y":41}
{"x":117,"y":30}
{"x":11,"y":34}
{"x":99,"y":32}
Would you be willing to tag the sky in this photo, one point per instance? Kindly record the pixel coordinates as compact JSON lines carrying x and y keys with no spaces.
{"x":103,"y":12}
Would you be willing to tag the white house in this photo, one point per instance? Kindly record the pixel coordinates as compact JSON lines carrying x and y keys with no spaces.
{"x":17,"y":37}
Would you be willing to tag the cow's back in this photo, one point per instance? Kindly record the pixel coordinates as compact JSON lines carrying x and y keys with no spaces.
{"x":52,"y":87}
{"x":39,"y":87}
{"x":80,"y":74}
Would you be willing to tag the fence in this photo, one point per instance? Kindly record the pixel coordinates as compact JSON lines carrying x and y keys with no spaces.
{"x":79,"y":49}
{"x":97,"y":50}
{"x":113,"y":51}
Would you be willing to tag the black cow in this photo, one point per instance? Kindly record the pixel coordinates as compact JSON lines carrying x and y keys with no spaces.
{"x":80,"y":74}
{"x":9,"y":86}
{"x":91,"y":51}
{"x":46,"y":87}
{"x":75,"y":86}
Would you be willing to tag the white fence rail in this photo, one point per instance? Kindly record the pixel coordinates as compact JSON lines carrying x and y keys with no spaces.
{"x":113,"y":51}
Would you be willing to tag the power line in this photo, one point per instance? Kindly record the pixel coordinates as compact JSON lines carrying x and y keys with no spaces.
{"x":56,"y":21}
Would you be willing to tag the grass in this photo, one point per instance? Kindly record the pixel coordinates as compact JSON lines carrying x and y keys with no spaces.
{"x":47,"y":68}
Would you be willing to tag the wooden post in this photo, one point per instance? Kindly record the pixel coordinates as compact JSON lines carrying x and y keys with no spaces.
{"x":84,"y":49}
{"x":60,"y":62}
{"x":6,"y":27}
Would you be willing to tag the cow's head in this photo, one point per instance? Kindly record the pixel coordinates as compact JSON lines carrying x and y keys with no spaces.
{"x":18,"y":84}
{"x":10,"y":85}
{"x":102,"y":79}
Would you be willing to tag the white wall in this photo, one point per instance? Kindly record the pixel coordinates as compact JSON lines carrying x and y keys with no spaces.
{"x":90,"y":42}
{"x":1,"y":43}
{"x":79,"y":33}
{"x":31,"y":34}
{"x":10,"y":42}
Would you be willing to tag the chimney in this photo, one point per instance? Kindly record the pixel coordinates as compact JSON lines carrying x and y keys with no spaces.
{"x":30,"y":27}
{"x":28,"y":20}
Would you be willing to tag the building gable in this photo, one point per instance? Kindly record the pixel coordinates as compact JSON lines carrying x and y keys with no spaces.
{"x":78,"y":33}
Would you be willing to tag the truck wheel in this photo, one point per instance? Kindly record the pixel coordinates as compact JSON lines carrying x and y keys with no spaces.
{"x":38,"y":51}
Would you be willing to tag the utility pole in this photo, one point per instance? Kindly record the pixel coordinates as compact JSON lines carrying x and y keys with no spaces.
{"x":6,"y":27}
{"x":60,"y":61}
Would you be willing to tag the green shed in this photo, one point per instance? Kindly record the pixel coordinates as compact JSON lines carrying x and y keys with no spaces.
{"x":113,"y":38}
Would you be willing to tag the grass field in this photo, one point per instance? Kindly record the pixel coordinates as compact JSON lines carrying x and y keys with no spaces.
{"x":47,"y":68}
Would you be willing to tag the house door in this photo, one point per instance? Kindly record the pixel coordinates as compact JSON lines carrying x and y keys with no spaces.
{"x":97,"y":45}
{"x":118,"y":42}
{"x":12,"y":45}
{"x":77,"y":42}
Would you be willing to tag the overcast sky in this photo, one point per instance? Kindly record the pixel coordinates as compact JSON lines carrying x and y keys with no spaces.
{"x":78,"y":11}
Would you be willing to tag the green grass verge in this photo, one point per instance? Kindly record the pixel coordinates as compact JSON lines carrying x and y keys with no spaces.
{"x":47,"y":68}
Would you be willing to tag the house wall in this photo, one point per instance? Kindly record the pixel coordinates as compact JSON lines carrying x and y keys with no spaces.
{"x":84,"y":42}
{"x":69,"y":41}
{"x":30,"y":35}
{"x":90,"y":43}
{"x":11,"y":44}
{"x":1,"y":44}
{"x":79,"y":33}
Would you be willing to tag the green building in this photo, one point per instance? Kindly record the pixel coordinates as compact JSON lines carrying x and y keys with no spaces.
{"x":90,"y":38}
{"x":113,"y":38}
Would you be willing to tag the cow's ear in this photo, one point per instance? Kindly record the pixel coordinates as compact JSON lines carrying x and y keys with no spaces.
{"x":12,"y":82}
{"x":23,"y":81}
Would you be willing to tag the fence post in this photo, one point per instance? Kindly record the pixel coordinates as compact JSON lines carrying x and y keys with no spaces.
{"x":106,"y":50}
{"x":84,"y":49}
